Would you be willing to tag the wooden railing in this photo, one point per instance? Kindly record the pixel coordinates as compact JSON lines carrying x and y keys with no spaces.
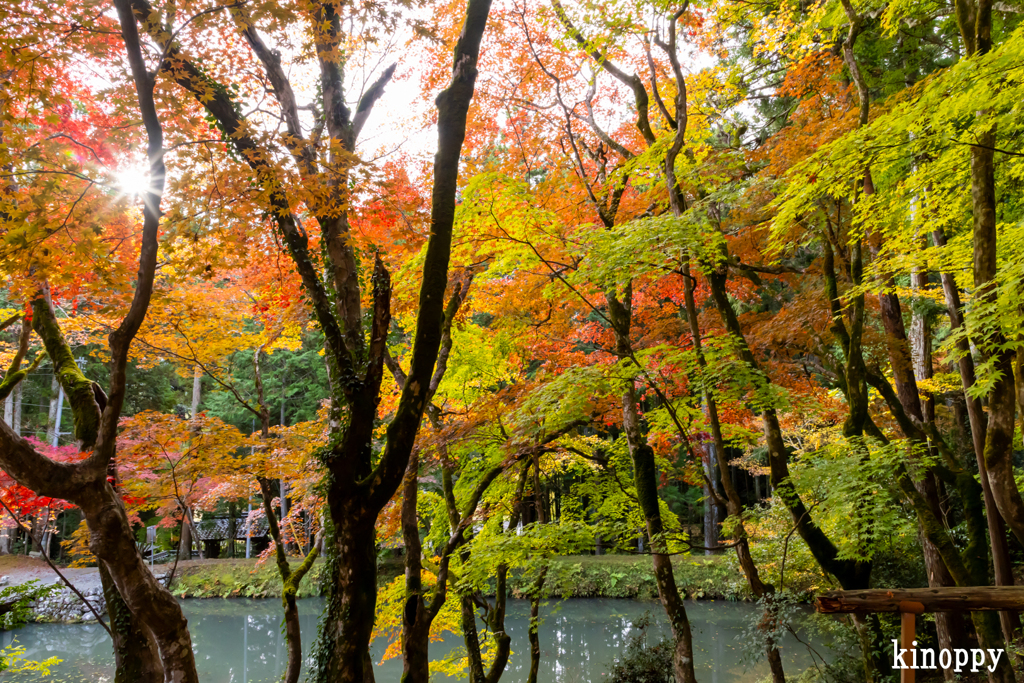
{"x":911,"y":602}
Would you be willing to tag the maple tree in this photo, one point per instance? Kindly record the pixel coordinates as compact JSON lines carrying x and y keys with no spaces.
{"x":664,"y":251}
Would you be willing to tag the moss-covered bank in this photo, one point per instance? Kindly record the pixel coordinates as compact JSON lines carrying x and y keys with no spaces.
{"x":584,"y":576}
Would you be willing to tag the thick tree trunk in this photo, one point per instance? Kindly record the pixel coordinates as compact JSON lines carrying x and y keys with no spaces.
{"x":112,"y":541}
{"x":906,"y":371}
{"x":136,"y":656}
{"x":361,"y":484}
{"x":1002,"y":400}
{"x":351,"y":602}
{"x":977,"y":37}
{"x":910,"y":360}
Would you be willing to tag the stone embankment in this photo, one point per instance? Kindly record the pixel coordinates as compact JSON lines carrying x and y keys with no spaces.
{"x":66,"y":607}
{"x":63,"y":605}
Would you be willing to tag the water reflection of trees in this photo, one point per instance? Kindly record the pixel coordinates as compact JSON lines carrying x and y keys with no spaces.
{"x":240,"y":641}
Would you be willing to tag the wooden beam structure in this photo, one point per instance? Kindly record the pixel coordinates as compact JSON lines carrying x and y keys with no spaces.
{"x":967,"y":599}
{"x":911,"y":602}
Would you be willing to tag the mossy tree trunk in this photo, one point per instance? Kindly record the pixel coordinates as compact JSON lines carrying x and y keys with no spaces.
{"x":96,"y":414}
{"x":136,"y":657}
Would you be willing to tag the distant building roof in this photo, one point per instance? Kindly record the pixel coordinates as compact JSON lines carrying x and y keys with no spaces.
{"x":216,"y":528}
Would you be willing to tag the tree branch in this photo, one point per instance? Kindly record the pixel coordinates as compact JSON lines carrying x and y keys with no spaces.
{"x":453,"y":107}
{"x":631,"y":80}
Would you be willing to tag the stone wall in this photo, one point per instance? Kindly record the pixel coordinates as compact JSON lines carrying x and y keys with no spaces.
{"x":65,"y":606}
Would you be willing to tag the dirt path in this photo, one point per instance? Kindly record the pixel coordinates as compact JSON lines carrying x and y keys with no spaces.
{"x":17,"y":569}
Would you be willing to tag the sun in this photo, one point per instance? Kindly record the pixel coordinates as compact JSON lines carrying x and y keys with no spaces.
{"x":133,"y":181}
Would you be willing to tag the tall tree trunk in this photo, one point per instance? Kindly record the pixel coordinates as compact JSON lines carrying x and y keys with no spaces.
{"x":232,"y":527}
{"x":290,"y":580}
{"x":9,"y":410}
{"x":734,"y":504}
{"x":1002,"y":400}
{"x":906,"y":369}
{"x":96,"y":414}
{"x":949,"y":626}
{"x":136,"y":657}
{"x":976,"y":417}
{"x":361,"y":483}
{"x":16,"y":425}
{"x":359,"y":488}
{"x":185,"y":545}
{"x":901,"y":359}
{"x":415,"y":621}
{"x":51,"y":416}
{"x":645,"y":477}
{"x":975,"y":23}
{"x":537,"y":589}
{"x":533,"y":632}
{"x":197,"y":391}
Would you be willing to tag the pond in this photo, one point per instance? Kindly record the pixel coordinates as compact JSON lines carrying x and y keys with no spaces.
{"x":240,"y":641}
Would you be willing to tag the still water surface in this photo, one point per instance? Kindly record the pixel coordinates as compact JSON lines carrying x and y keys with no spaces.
{"x":240,"y":641}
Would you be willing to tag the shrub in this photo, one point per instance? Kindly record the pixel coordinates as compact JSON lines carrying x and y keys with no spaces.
{"x":642,"y":662}
{"x":15,"y":601}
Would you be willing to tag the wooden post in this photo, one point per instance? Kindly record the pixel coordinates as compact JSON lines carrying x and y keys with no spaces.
{"x":908,"y":610}
{"x":910,"y":602}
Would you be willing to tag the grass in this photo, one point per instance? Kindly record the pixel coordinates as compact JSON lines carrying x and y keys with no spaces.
{"x":626,"y":576}
{"x":579,"y":576}
{"x":238,"y":578}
